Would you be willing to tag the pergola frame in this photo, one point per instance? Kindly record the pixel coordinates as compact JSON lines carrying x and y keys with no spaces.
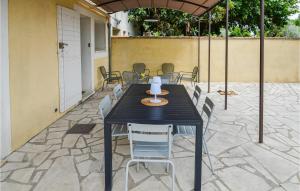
{"x":208,"y":10}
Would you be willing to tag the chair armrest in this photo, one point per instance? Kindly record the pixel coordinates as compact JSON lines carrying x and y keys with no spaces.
{"x":159,"y":72}
{"x":114,"y":75}
{"x":117,"y":72}
{"x":147,"y":72}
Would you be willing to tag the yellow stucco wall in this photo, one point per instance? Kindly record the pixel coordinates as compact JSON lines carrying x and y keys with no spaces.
{"x":34,"y":83}
{"x":282,"y":60}
{"x":97,"y":75}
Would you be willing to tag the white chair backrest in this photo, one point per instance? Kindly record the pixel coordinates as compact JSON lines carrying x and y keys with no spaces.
{"x":118,"y":92}
{"x":105,"y":106}
{"x":149,"y":133}
{"x":207,"y":109}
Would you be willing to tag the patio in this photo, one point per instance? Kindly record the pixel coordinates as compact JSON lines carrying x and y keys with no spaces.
{"x":55,"y":161}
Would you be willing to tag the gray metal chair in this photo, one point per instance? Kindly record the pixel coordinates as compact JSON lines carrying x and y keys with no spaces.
{"x":190,"y":131}
{"x":196,"y":94}
{"x":118,"y":92}
{"x":150,"y":144}
{"x":130,"y":78}
{"x":141,"y":70}
{"x":166,"y":68}
{"x":115,"y":76}
{"x":118,"y":130}
{"x":190,"y":76}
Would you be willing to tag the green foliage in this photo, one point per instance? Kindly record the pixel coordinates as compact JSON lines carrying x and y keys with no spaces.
{"x":243,"y":19}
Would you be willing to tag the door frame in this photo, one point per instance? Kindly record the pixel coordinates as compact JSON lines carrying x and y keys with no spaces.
{"x":89,"y":55}
{"x":5,"y":117}
{"x":82,"y":11}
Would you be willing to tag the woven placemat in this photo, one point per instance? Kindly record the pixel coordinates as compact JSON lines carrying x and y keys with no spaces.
{"x":163,"y":92}
{"x":146,"y":101}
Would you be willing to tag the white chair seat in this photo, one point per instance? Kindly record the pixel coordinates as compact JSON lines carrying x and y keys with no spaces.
{"x":153,"y":150}
{"x":184,"y":130}
{"x":119,"y":130}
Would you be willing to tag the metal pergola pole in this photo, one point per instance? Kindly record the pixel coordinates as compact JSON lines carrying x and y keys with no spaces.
{"x":109,"y":47}
{"x":226,"y":54}
{"x":261,"y":71}
{"x":199,"y":35}
{"x":209,"y":43}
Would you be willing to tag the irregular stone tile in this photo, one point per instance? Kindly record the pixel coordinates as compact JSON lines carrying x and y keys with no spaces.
{"x":221,"y":142}
{"x":96,"y":142}
{"x":16,"y":157}
{"x":80,"y":143}
{"x":221,"y":186}
{"x":155,"y":168}
{"x":13,"y":166}
{"x":86,"y":150}
{"x":123,"y":149}
{"x":29,"y":156}
{"x":59,"y":153}
{"x":22,"y":175}
{"x":85,"y":120}
{"x":61,"y":176}
{"x":90,"y":140}
{"x":14,"y":187}
{"x":70,"y":140}
{"x":46,"y":165}
{"x":291,"y":186}
{"x":97,"y":148}
{"x":54,"y":129}
{"x":183,"y":154}
{"x":92,"y":182}
{"x":84,"y":167}
{"x":54,"y":148}
{"x":75,"y":117}
{"x":75,"y":152}
{"x":137,"y":176}
{"x":167,"y":180}
{"x":97,"y":166}
{"x":98,"y":156}
{"x":54,"y":141}
{"x":116,"y":161}
{"x":119,"y":180}
{"x":238,"y":179}
{"x":278,"y":166}
{"x":33,"y":148}
{"x":40,"y":158}
{"x":4,"y":175}
{"x":185,"y":172}
{"x":60,"y":123}
{"x":40,"y":138}
{"x":37,"y":177}
{"x":81,"y":158}
{"x":209,"y":187}
{"x":233,"y":161}
{"x":56,"y":135}
{"x":152,"y":183}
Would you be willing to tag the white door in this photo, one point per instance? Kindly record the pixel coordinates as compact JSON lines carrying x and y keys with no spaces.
{"x":68,"y":22}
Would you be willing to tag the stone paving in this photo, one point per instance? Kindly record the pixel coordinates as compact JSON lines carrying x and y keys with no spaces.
{"x":54,"y":161}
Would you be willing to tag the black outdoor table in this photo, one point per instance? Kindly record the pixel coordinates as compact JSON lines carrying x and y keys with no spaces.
{"x":179,"y":111}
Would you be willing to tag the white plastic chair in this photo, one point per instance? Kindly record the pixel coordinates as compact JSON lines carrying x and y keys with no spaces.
{"x":150,"y":144}
{"x":190,"y":131}
{"x":118,"y":92}
{"x":117,"y":129}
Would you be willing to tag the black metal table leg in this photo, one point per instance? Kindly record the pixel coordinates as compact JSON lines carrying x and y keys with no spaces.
{"x":108,"y":156}
{"x":198,"y":157}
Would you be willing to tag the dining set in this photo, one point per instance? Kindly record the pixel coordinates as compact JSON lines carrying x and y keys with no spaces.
{"x":152,"y":126}
{"x":140,"y":74}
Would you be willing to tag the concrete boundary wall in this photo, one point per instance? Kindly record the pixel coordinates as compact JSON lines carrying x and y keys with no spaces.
{"x":282,"y":56}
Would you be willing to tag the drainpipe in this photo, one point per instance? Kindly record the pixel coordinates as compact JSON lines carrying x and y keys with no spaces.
{"x":199,"y":35}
